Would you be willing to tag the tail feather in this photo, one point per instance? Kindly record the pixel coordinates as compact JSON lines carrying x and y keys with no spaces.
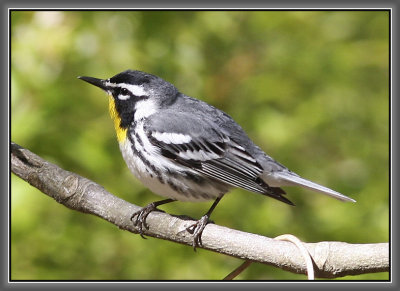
{"x":291,"y":179}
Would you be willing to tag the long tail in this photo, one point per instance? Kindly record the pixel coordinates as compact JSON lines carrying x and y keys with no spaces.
{"x":284,"y":178}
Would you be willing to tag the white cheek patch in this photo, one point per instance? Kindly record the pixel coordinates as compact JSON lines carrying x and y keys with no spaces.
{"x":170,"y":137}
{"x":144,"y":109}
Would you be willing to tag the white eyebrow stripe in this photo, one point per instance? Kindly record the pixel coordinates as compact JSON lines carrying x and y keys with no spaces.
{"x":136,"y":90}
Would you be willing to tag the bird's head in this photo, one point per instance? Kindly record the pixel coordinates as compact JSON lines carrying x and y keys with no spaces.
{"x":134,"y":95}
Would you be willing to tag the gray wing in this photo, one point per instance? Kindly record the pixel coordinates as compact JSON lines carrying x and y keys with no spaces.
{"x":196,"y":142}
{"x":231,"y":155}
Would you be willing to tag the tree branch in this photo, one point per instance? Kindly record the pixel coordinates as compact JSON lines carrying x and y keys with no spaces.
{"x":331,"y":259}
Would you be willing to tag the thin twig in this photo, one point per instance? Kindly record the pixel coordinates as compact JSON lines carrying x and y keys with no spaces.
{"x":238,"y":270}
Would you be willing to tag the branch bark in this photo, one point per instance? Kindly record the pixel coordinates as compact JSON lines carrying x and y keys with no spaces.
{"x":331,"y":259}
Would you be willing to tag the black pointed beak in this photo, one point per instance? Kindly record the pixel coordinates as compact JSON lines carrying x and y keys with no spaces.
{"x":94,"y":81}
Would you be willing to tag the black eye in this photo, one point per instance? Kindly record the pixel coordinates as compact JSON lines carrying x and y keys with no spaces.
{"x":124,"y":91}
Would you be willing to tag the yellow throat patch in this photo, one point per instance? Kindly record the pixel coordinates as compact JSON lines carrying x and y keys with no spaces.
{"x":121,"y":132}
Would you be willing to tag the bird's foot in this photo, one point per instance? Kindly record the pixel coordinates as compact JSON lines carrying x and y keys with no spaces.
{"x":197,"y":229}
{"x":139,"y":217}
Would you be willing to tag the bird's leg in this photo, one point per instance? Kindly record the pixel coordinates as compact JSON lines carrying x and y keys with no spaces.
{"x":142,"y":214}
{"x":197,"y":228}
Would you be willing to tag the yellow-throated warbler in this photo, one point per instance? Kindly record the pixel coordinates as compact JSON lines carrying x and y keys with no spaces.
{"x":185,"y":149}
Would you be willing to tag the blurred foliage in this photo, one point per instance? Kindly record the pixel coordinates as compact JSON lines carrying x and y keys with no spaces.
{"x":310,"y":87}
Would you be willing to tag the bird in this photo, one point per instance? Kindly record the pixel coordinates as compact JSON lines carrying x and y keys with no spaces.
{"x":185,"y":149}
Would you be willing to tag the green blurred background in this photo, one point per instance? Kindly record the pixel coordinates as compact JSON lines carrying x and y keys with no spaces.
{"x":310,"y":88}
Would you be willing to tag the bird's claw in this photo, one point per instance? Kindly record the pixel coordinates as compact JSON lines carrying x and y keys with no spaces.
{"x":141,"y":216}
{"x":197,"y":229}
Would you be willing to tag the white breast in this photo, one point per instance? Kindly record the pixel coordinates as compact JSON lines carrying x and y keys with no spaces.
{"x":158,"y":177}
